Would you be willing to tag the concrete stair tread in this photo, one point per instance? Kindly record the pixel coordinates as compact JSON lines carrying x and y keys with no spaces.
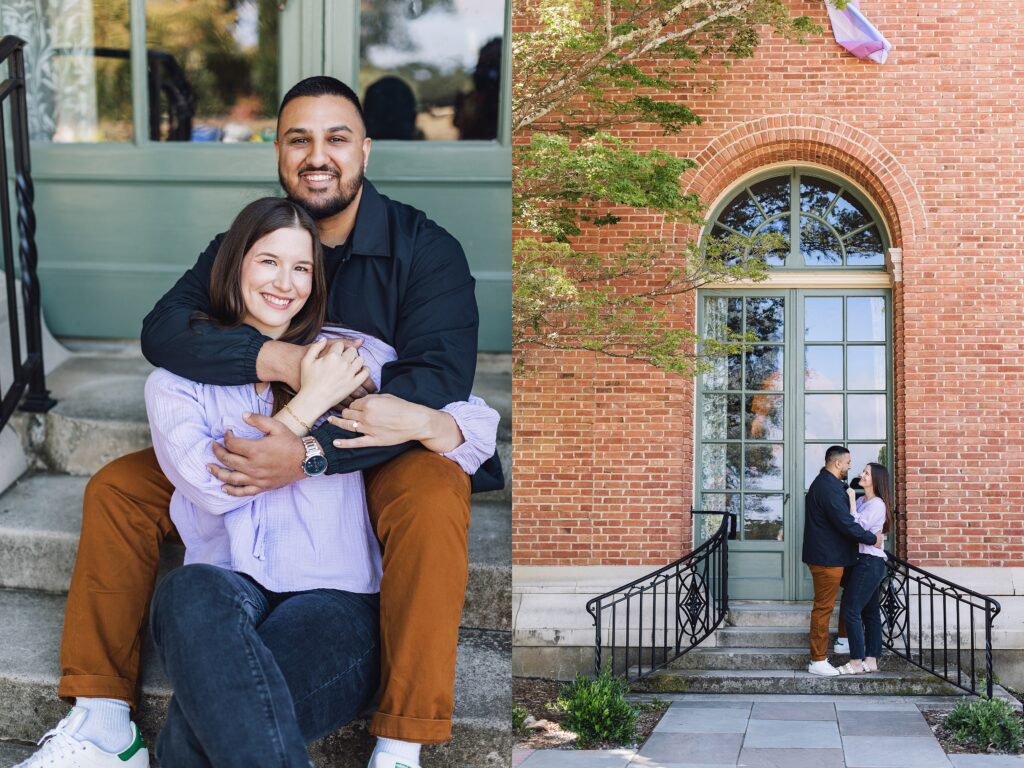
{"x":40,"y":519}
{"x":29,"y":670}
{"x":12,"y":753}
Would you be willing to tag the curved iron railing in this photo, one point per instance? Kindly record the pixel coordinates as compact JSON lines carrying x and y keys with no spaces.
{"x":655,"y":619}
{"x":933,"y":623}
{"x":28,"y":373}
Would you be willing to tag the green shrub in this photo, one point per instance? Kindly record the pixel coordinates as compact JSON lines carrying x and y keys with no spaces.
{"x":987,"y":723}
{"x":596,"y":709}
{"x":518,"y":718}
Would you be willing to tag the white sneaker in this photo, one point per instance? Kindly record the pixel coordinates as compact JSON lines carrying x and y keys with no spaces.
{"x":59,"y":747}
{"x":384,"y":760}
{"x":822,"y":668}
{"x":842,"y":646}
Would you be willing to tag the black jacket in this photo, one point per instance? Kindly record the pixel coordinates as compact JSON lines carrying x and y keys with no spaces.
{"x":830,"y":534}
{"x":399,"y":277}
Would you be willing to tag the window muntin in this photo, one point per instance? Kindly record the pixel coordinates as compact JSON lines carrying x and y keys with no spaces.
{"x":833,"y":225}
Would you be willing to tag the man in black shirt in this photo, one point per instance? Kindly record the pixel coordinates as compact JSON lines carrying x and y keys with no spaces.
{"x":391,"y":273}
{"x":830,"y":544}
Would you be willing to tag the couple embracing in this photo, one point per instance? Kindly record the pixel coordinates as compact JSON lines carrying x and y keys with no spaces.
{"x":844,"y":539}
{"x":315,"y":447}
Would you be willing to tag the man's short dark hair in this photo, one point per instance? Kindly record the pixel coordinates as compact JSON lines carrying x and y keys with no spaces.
{"x":834,"y":453}
{"x":321,"y":85}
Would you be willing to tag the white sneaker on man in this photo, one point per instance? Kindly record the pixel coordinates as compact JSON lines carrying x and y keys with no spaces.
{"x":61,"y":748}
{"x":822,"y":668}
{"x":842,"y":646}
{"x":384,"y":760}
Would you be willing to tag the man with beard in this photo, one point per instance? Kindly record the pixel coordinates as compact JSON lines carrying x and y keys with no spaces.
{"x":830,"y":544}
{"x":391,"y":273}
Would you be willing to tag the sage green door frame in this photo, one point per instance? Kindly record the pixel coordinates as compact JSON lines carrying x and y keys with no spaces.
{"x":771,"y":569}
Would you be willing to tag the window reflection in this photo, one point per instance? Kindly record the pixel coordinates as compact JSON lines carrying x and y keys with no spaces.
{"x":444,"y":59}
{"x":213,"y":70}
{"x":762,"y":517}
{"x":77,"y":68}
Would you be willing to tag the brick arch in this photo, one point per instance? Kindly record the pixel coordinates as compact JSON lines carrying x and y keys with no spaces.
{"x":824,"y":141}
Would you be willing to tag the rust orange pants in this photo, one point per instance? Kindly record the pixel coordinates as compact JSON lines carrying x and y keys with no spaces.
{"x":826,"y":589}
{"x":419,"y":506}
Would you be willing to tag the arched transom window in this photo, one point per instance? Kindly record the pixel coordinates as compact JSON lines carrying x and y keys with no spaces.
{"x":834,"y":225}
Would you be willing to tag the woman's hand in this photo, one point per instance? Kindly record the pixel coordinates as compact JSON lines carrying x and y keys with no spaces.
{"x":331,"y":373}
{"x":851,"y":494}
{"x":390,"y":420}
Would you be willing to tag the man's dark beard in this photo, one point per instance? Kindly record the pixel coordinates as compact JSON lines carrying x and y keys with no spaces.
{"x":324,"y":209}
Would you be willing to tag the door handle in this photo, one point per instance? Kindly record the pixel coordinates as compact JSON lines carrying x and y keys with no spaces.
{"x":785,"y":499}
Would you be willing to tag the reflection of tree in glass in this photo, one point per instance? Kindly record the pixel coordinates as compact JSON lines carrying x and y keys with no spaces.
{"x":765,"y":318}
{"x":816,"y":194}
{"x":741,"y":214}
{"x":763,"y":467}
{"x":764,"y":369}
{"x":818,"y":243}
{"x":772,"y":194}
{"x":847,"y":215}
{"x":764,"y":417}
{"x":386,"y":22}
{"x":762,"y":518}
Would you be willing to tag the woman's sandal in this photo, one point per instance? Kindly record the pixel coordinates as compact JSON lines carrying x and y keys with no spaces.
{"x":849,"y":669}
{"x":868,"y":668}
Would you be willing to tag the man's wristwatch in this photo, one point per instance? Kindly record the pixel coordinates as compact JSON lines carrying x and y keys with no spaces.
{"x":315,"y":463}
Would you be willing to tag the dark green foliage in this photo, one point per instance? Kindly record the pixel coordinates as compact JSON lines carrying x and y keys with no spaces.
{"x":986,"y":723}
{"x":597,"y":711}
{"x":518,"y":718}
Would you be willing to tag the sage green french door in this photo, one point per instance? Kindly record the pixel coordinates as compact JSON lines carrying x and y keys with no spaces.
{"x":815,"y":373}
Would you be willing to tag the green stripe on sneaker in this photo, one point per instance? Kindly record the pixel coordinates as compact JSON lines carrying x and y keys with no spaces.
{"x":134,"y":747}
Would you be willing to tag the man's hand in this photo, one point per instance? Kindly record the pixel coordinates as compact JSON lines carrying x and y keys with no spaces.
{"x":254,"y":466}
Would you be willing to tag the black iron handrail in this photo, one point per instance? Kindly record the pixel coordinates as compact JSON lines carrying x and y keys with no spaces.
{"x":29,"y":374}
{"x":692,"y":594}
{"x":909,"y":595}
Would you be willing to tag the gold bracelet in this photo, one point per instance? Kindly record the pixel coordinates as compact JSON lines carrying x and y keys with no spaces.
{"x":299,"y":421}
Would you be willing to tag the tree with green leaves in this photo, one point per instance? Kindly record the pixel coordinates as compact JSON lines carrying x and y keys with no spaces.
{"x":582,"y":70}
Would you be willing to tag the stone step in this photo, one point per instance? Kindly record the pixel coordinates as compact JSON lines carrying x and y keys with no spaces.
{"x":884,"y":683}
{"x":766,"y":658}
{"x":41,"y":515}
{"x":762,"y":637}
{"x":768,"y":614}
{"x":101,"y":412}
{"x":12,"y":753}
{"x":29,"y":669}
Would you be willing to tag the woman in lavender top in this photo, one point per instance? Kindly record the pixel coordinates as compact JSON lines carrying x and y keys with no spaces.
{"x":860,"y":606}
{"x":269,"y":633}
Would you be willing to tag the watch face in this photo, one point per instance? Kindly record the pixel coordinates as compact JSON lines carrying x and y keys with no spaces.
{"x":315,"y":465}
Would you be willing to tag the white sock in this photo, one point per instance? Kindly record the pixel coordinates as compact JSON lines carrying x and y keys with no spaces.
{"x":108,"y":724}
{"x":406,"y":750}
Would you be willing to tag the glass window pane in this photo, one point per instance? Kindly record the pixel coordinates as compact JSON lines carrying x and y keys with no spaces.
{"x":863,"y":453}
{"x":865,"y":318}
{"x":431,"y":69}
{"x":814,"y":461}
{"x":780,"y":225}
{"x":764,"y":369}
{"x":765,"y":317}
{"x":823,"y":417}
{"x":847,"y":214}
{"x":865,"y":248}
{"x":762,"y":468}
{"x":77,"y":68}
{"x":816,"y":194}
{"x":762,"y":517}
{"x":865,"y":368}
{"x":213,"y":70}
{"x":741,"y":214}
{"x":721,"y":470}
{"x":823,"y":318}
{"x":865,"y":417}
{"x":818,"y":243}
{"x":731,"y":248}
{"x":723,"y":502}
{"x":722,"y":317}
{"x":764,"y":417}
{"x":772,"y":194}
{"x":726,"y":374}
{"x":823,"y":368}
{"x":721,"y":417}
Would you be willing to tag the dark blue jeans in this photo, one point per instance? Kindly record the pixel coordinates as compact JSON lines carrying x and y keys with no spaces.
{"x":257,"y":674}
{"x":860,"y":607}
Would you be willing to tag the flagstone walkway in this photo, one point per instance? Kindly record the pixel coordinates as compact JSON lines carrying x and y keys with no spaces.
{"x":763,"y":731}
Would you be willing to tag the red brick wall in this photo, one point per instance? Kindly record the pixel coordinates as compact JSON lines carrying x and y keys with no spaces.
{"x":603,"y":448}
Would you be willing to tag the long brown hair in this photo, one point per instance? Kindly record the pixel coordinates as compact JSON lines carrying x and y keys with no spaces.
{"x":227,"y":306}
{"x":883,"y":490}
